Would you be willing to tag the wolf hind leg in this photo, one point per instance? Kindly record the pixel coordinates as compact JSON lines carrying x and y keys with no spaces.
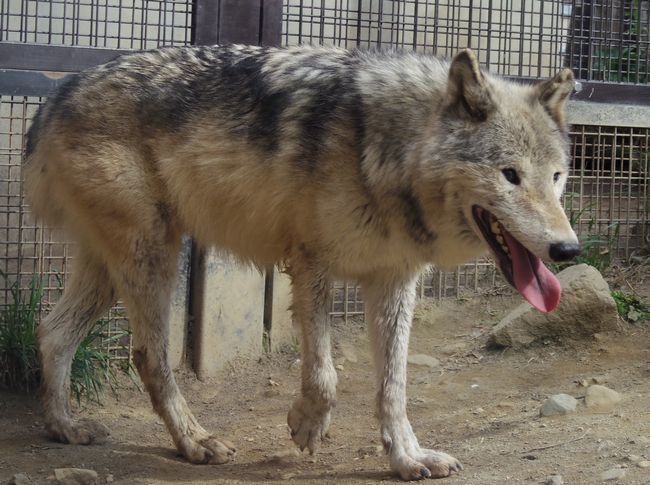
{"x":88,"y":295}
{"x":309,"y":417}
{"x":389,"y":315}
{"x":144,"y":279}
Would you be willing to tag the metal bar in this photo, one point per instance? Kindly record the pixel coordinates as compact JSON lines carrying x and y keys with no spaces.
{"x":239,"y":21}
{"x":205,"y":22}
{"x":271,"y":23}
{"x":603,"y":92}
{"x":30,"y":83}
{"x":53,"y":58}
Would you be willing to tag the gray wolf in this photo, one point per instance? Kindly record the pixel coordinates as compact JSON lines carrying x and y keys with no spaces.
{"x":364,"y":166}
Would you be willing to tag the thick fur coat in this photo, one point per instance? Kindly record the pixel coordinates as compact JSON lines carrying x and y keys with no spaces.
{"x":364,"y":166}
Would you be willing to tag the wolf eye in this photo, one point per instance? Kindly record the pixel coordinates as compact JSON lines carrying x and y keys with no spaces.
{"x":556,"y":176}
{"x":511,"y":175}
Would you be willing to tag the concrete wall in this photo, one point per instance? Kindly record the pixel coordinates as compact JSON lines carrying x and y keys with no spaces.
{"x":283,"y":332}
{"x":229,"y":313}
{"x":179,"y":308}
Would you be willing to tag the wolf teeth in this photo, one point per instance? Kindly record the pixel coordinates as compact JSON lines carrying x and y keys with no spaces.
{"x":496,"y":229}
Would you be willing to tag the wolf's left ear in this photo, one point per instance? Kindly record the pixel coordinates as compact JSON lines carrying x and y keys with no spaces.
{"x":554,"y":93}
{"x":468,"y":92}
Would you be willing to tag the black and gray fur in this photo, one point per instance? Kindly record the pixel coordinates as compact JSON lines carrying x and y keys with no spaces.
{"x":337,"y":164}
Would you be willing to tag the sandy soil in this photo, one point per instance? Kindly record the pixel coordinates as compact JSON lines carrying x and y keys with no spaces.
{"x":480,"y":406}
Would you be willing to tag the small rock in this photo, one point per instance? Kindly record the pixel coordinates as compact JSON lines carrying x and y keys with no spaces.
{"x":283,"y":456}
{"x":375,"y":450}
{"x":505,"y":405}
{"x":110,"y":478}
{"x":75,"y":476}
{"x":558,"y":404}
{"x":340,"y":368}
{"x":554,"y":480}
{"x":272,"y":392}
{"x":601,"y":398}
{"x":643,"y":464}
{"x":634,"y":458}
{"x":20,"y":479}
{"x":613,"y":474}
{"x":424,"y":360}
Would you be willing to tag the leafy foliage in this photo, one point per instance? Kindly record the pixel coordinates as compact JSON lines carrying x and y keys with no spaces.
{"x":630,"y":307}
{"x":628,"y":62}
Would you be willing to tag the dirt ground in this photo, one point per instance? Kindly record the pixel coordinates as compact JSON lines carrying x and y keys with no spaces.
{"x":480,"y":406}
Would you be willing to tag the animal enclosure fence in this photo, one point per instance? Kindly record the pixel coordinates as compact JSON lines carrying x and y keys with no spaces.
{"x":605,"y":42}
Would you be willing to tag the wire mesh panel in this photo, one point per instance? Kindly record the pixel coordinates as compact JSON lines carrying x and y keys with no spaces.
{"x":600,"y":39}
{"x":119,"y":24}
{"x":610,"y":40}
{"x":32,"y":255}
{"x":608,"y":194}
{"x":513,"y":37}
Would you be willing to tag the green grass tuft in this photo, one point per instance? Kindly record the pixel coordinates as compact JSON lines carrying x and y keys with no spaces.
{"x":92,"y":370}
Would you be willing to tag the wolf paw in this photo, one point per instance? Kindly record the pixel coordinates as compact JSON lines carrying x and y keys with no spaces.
{"x":82,"y":432}
{"x":207,"y":450}
{"x":425,"y":464}
{"x":309,"y":423}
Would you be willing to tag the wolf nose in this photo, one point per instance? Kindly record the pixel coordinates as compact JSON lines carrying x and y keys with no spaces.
{"x":564,"y":251}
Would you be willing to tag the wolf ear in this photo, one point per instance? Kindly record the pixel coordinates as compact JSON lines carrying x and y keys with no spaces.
{"x":468,"y":92}
{"x":554,"y":93}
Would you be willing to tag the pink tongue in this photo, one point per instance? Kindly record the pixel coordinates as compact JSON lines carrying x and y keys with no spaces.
{"x":532,"y":279}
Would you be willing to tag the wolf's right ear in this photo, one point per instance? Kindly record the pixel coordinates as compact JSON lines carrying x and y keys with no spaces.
{"x":468,"y":92}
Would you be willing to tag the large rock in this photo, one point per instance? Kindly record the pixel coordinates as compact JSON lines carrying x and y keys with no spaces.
{"x":601,"y":398}
{"x":586,"y":308}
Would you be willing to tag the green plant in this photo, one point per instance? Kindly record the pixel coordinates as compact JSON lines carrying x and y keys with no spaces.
{"x":598,"y":244}
{"x":627,"y":62}
{"x":19,"y":365}
{"x":630,"y":307}
{"x":92,"y":368}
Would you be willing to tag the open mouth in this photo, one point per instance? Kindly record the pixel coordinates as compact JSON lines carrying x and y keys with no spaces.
{"x":523,"y":270}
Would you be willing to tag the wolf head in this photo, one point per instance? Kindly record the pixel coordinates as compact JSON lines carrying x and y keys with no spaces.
{"x":504,"y":149}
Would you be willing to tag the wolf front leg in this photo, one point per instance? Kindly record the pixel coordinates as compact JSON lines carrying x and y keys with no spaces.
{"x":309,"y":417}
{"x":389,"y":315}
